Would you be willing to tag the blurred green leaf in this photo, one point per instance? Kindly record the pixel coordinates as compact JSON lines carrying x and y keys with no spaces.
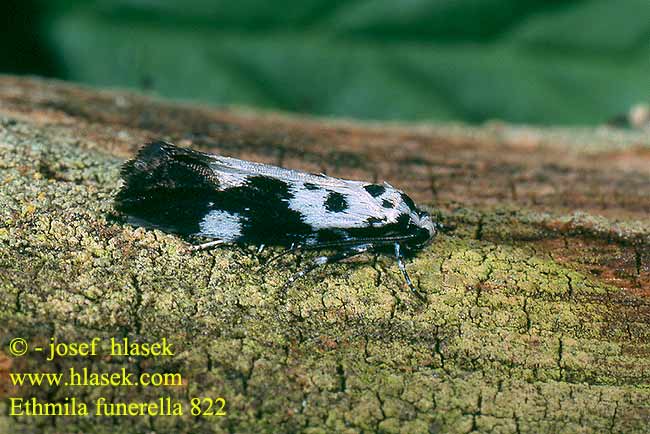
{"x":472,"y":60}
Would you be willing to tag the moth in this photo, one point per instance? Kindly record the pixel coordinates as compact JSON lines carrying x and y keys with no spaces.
{"x":226,"y":200}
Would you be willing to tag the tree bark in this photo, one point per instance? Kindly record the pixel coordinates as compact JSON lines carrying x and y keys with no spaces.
{"x":536,"y":315}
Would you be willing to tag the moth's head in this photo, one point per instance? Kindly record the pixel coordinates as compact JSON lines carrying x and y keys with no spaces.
{"x":420,"y":228}
{"x":414,"y":224}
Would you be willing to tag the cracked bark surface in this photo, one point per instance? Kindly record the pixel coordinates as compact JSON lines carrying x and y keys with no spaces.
{"x":537,"y":312}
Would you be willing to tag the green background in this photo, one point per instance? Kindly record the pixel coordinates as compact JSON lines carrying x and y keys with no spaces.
{"x":547,"y":62}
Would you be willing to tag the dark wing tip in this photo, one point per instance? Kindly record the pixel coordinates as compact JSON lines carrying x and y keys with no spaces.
{"x":148,"y":157}
{"x":160,"y":167}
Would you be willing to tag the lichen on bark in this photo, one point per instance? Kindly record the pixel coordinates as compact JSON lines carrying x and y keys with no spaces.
{"x":535,"y":319}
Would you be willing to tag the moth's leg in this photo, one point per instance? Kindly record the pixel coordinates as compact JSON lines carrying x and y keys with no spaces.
{"x":402,"y":267}
{"x":204,"y":246}
{"x":323,"y":260}
{"x":293,"y":248}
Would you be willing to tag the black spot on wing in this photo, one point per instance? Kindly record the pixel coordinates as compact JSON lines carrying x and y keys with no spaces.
{"x":387,"y":204}
{"x":375,"y":190}
{"x":373,"y":221}
{"x":263,"y":203}
{"x":311,"y":186}
{"x":268,"y":187}
{"x":336,"y":202}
